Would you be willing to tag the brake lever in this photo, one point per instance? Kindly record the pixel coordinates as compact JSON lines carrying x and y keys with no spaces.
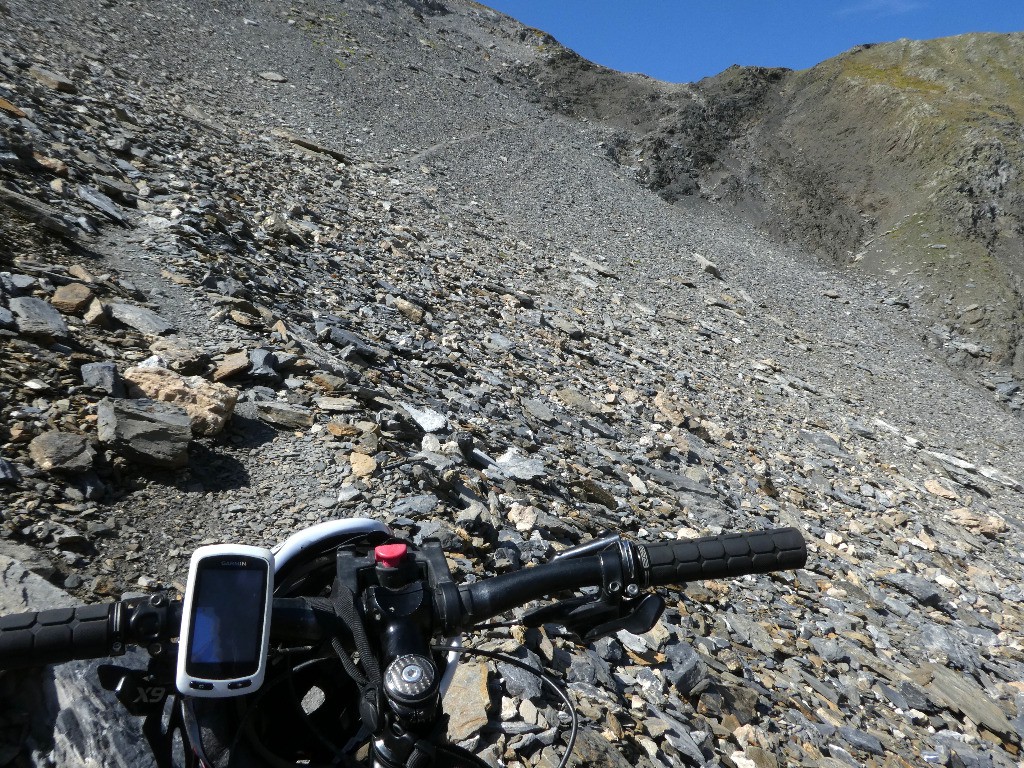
{"x":594,"y":618}
{"x":641,"y":617}
{"x":565,"y":612}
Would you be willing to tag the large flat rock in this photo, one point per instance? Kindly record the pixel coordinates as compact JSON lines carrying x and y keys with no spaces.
{"x":75,"y":723}
{"x":35,"y":317}
{"x":146,"y":431}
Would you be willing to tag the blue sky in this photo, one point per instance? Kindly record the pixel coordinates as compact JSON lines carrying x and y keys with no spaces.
{"x":684,"y":41}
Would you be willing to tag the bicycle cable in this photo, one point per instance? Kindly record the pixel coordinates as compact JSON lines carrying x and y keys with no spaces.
{"x":544,"y":677}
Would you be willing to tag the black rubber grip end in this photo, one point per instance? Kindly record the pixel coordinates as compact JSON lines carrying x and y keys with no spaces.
{"x":55,"y":636}
{"x":723,"y":557}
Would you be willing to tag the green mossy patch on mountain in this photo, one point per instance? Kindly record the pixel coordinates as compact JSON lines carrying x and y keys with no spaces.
{"x":891,"y":76}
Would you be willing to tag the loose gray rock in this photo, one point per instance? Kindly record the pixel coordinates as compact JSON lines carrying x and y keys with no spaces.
{"x":687,"y":672}
{"x":539,"y":410}
{"x":103,"y":377}
{"x":146,"y":431}
{"x":141,"y":319}
{"x":102,"y":203}
{"x":519,"y":682}
{"x":337,"y":404}
{"x":285,"y":415}
{"x":513,"y":464}
{"x":415,"y":506}
{"x":829,"y":649}
{"x":52,"y":80}
{"x":678,"y":735}
{"x":348,"y":493}
{"x":428,"y":419}
{"x":589,"y":667}
{"x":568,"y":327}
{"x":573,"y":398}
{"x":62,"y":451}
{"x":593,"y":749}
{"x":264,"y":364}
{"x":706,"y":265}
{"x":498,"y":343}
{"x":865,"y":742}
{"x":927,"y":593}
{"x":35,"y":317}
{"x":8,"y":472}
{"x":824,"y":443}
{"x":676,"y":481}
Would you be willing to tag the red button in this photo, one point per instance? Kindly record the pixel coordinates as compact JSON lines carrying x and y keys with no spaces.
{"x":390,"y":555}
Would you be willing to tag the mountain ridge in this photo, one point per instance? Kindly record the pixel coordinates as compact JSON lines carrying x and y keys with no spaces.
{"x":861,"y":157}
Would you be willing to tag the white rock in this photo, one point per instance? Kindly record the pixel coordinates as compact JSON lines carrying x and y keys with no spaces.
{"x":209,"y":404}
{"x":428,"y":419}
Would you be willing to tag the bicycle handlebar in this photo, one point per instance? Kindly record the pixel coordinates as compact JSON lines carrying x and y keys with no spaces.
{"x":56,"y":635}
{"x":646,"y":565}
{"x":96,"y":631}
{"x":722,"y":557}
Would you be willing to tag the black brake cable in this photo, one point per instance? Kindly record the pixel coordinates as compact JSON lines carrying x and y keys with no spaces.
{"x":544,"y":677}
{"x":287,"y":677}
{"x":338,"y":750}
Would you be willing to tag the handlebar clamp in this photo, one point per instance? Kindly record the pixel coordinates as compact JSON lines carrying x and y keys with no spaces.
{"x":622,"y":570}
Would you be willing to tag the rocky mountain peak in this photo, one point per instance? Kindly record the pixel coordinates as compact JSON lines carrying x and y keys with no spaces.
{"x":901,"y":160}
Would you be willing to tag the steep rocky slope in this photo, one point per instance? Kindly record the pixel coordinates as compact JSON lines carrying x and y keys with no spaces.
{"x":444,"y":305}
{"x":903,"y":158}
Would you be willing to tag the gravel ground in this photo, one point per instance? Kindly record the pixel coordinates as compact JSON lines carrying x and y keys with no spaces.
{"x":361,"y":225}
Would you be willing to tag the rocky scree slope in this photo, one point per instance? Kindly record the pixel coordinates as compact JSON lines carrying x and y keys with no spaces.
{"x":468,"y":323}
{"x":903,"y":158}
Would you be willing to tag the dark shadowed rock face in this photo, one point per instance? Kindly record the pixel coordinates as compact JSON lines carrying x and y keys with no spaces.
{"x":70,"y":719}
{"x":146,"y":431}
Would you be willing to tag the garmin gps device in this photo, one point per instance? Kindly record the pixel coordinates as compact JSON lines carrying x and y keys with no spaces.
{"x":225,"y":625}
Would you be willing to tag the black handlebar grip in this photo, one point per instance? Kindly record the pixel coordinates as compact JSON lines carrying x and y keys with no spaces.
{"x":56,"y":635}
{"x":722,"y":557}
